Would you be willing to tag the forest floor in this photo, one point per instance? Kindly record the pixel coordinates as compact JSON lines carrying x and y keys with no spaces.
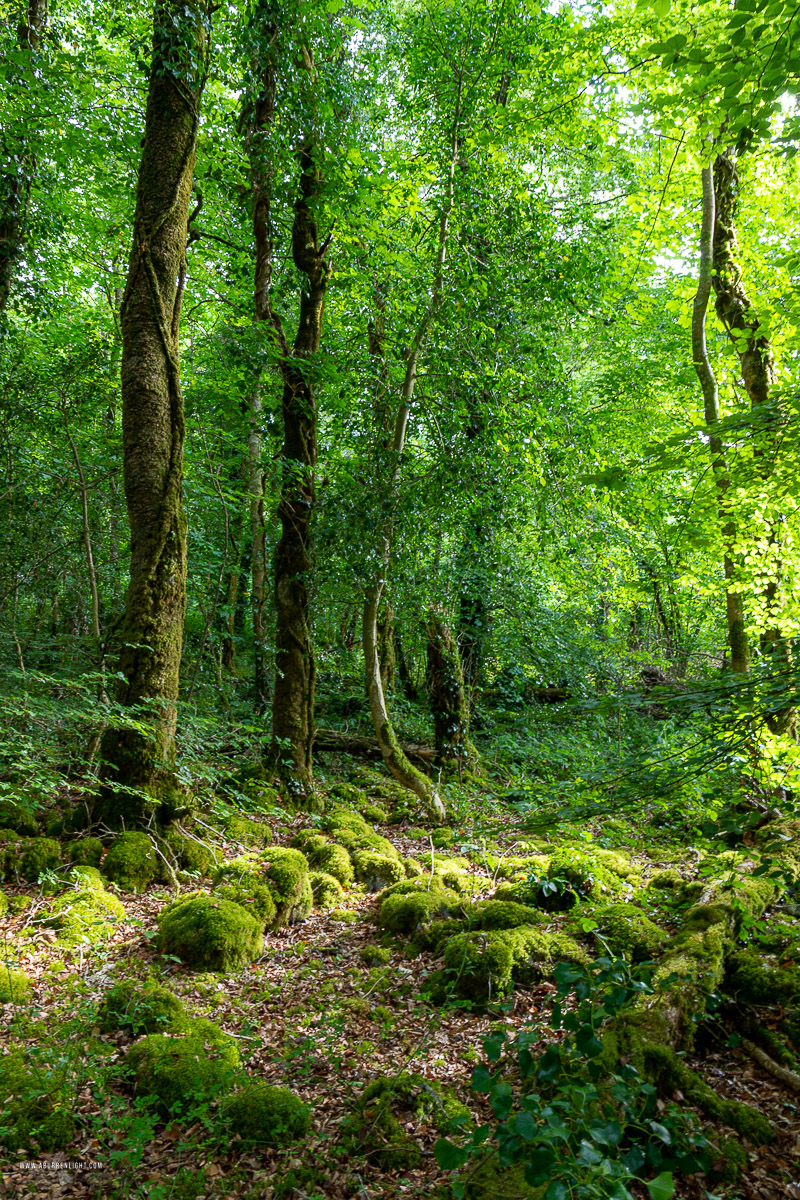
{"x":312,"y":1014}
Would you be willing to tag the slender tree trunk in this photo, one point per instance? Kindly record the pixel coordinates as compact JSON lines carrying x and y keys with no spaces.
{"x":449,"y":706}
{"x":15,"y":183}
{"x":734,"y":606}
{"x":393,"y":755}
{"x":258,"y":539}
{"x":151,"y":632}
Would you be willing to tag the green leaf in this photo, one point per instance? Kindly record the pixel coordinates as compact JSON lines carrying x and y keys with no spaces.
{"x":662,"y":1187}
{"x":448,"y":1156}
{"x":661,"y":7}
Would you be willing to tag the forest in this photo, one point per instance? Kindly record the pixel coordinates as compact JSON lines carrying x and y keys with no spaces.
{"x":399,"y":599}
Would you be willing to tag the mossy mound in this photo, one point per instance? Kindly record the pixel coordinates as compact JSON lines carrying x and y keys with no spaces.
{"x":131,"y":862}
{"x":348,"y":792}
{"x":326,"y":890}
{"x":629,"y":931}
{"x":534,"y":893}
{"x":262,"y":1115}
{"x":752,"y":979}
{"x":352,"y":831}
{"x":377,"y":1127}
{"x":191,"y":854}
{"x":373,"y":812}
{"x":586,"y":874}
{"x":195,"y":1062}
{"x":286,"y":872}
{"x":333,"y":859}
{"x":139,"y":1008}
{"x":3,"y":904}
{"x":377,"y":870}
{"x":482,"y":966}
{"x":502,"y":914}
{"x":413,"y":868}
{"x":18,"y":819}
{"x":667,"y":880}
{"x":460,"y":880}
{"x":85,"y":852}
{"x":85,"y":911}
{"x":15,"y":987}
{"x":250,"y":833}
{"x":209,"y":933}
{"x":443,"y":836}
{"x":251,"y":895}
{"x":36,"y":856}
{"x":404,"y":913}
{"x":518,"y":867}
{"x":416,"y":833}
{"x":32,"y":1105}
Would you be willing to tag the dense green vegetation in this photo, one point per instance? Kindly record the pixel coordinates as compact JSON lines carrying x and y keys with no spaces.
{"x":398,"y":601}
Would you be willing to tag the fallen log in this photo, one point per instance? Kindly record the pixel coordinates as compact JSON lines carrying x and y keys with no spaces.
{"x":367,"y":747}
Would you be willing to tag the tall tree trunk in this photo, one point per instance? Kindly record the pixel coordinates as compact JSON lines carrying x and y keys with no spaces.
{"x":15,"y":183}
{"x":449,"y":706}
{"x":290,"y":748}
{"x":734,"y":606}
{"x":151,"y":632}
{"x":393,"y":755}
{"x":258,"y":539}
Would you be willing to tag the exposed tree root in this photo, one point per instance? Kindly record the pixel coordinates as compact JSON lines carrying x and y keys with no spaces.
{"x":784,"y":1075}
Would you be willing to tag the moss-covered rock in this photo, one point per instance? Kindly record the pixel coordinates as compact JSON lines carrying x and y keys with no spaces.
{"x":413,"y":868}
{"x":86,"y":852}
{"x":334,"y":860}
{"x":33,"y":1106}
{"x":405,"y":913}
{"x":377,"y":1127}
{"x":352,"y":831}
{"x":348,"y":792}
{"x":247,"y":831}
{"x":131,"y":862}
{"x":482,"y":966}
{"x":18,"y":818}
{"x":36,"y":856}
{"x":629,"y":931}
{"x":286,"y":872}
{"x":490,"y":1181}
{"x":262,"y":1115}
{"x":375,"y":956}
{"x":374,"y":812}
{"x":196,"y":1061}
{"x":15,"y":987}
{"x":190,"y":853}
{"x":667,"y":880}
{"x":443,"y":836}
{"x":251,"y":895}
{"x":585,"y":872}
{"x":326,"y":890}
{"x":377,"y":870}
{"x":209,"y":933}
{"x":85,"y":912}
{"x":502,"y":914}
{"x":139,"y":1008}
{"x":752,"y":979}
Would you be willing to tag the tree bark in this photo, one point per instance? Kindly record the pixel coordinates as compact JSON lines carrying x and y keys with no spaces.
{"x":734,"y":605}
{"x":448,"y":701}
{"x":139,"y":769}
{"x":15,"y":184}
{"x":258,"y":538}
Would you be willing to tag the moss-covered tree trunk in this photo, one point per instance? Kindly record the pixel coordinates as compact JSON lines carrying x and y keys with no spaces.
{"x":448,"y":700}
{"x":151,"y":631}
{"x":15,"y":182}
{"x":289,"y":751}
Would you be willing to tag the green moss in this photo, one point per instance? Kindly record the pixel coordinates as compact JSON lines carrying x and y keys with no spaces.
{"x":286,"y":872}
{"x":404,"y":914}
{"x":483,"y":965}
{"x":191,"y":854}
{"x":15,"y":987}
{"x":629,"y":931}
{"x":139,"y":1008}
{"x":413,"y":868}
{"x":666,"y":880}
{"x":247,"y":831}
{"x":667,"y":1068}
{"x":262,"y":1115}
{"x":348,"y":792}
{"x":251,"y":895}
{"x":195,"y":1062}
{"x":32,"y":1106}
{"x":352,"y":831}
{"x":326,"y":890}
{"x":3,"y":904}
{"x":377,"y":1127}
{"x":733,"y":1159}
{"x":208,"y":932}
{"x":586,"y":874}
{"x":334,"y":860}
{"x":84,"y":852}
{"x":85,"y":911}
{"x":373,"y":812}
{"x":376,"y":870}
{"x":13,"y":816}
{"x":35,"y":856}
{"x":490,"y":1181}
{"x":416,"y":834}
{"x":502,"y":914}
{"x":131,"y":862}
{"x":309,"y":840}
{"x":443,"y":836}
{"x":375,"y":956}
{"x":346,"y":915}
{"x":749,"y":978}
